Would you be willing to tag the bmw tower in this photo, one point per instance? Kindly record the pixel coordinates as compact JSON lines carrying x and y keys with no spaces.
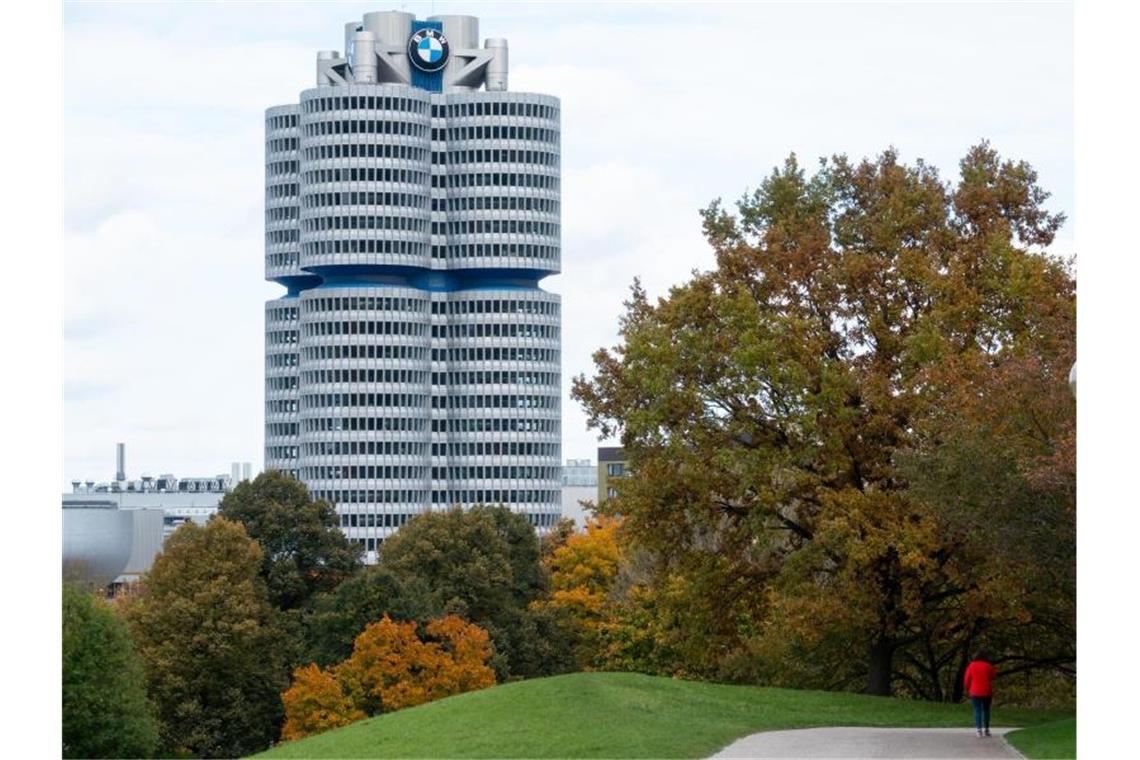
{"x":412,"y":207}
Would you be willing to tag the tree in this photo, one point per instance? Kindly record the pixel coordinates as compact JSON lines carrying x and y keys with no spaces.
{"x":105,"y":708}
{"x":391,"y":667}
{"x":1005,"y":460}
{"x":335,"y":619}
{"x":482,"y":564}
{"x":556,"y":537}
{"x":582,"y":575}
{"x":764,"y":406}
{"x":210,"y":643}
{"x":304,"y":550}
{"x":315,"y":703}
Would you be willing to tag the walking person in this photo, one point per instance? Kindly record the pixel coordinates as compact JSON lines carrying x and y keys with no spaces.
{"x":978,"y":683}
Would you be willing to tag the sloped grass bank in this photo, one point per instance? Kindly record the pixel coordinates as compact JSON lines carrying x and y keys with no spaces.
{"x":618,"y":715}
{"x":1046,"y":741}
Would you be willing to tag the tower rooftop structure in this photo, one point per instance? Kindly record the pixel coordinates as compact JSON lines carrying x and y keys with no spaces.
{"x":412,"y":207}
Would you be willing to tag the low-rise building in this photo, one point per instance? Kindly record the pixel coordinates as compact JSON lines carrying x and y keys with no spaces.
{"x":612,"y":464}
{"x":579,"y":484}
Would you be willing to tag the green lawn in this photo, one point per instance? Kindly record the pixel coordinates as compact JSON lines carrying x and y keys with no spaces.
{"x":1047,"y":740}
{"x":619,"y":715}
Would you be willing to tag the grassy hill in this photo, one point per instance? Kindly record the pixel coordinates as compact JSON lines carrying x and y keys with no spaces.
{"x":1048,"y":740}
{"x":619,"y":715}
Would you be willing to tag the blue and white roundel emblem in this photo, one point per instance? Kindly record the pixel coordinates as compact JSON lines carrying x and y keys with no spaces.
{"x":428,"y":50}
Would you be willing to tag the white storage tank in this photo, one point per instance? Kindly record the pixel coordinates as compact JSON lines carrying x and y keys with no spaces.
{"x":96,"y":543}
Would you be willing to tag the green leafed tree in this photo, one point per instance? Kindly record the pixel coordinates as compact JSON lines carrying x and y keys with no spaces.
{"x":210,"y":642}
{"x":304,"y":550}
{"x":484,"y":565}
{"x":105,"y":707}
{"x":336,"y":618}
{"x":766,"y":407}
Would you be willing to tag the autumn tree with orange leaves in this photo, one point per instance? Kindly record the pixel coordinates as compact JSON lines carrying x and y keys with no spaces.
{"x":316,"y":702}
{"x":392,"y":667}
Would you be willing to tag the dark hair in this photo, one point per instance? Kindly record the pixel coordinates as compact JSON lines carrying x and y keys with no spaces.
{"x":982,"y":655}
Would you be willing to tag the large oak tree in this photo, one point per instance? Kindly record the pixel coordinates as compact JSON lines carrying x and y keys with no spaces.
{"x":853,"y":319}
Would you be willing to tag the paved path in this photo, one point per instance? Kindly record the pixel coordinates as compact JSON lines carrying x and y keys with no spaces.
{"x":871,"y":743}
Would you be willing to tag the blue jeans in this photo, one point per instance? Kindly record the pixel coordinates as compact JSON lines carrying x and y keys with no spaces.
{"x":982,"y":711}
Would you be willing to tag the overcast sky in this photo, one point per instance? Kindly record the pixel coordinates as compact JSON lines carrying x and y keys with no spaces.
{"x":664,"y":108}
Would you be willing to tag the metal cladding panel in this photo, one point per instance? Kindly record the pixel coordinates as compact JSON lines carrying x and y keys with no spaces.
{"x":496,"y":78}
{"x":148,"y":534}
{"x":462,"y":31}
{"x":365,"y":440}
{"x":501,"y":206}
{"x":390,"y":27}
{"x":364,"y":60}
{"x":281,"y":385}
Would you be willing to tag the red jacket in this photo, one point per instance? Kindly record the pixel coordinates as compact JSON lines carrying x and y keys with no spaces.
{"x":978,"y":679}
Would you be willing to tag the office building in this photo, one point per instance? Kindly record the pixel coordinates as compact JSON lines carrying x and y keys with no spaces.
{"x":412,"y":207}
{"x":612,"y":464}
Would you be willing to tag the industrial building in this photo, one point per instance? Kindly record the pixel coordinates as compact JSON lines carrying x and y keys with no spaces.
{"x":104,"y":544}
{"x":412,"y":208}
{"x":180,"y":499}
{"x":118,"y":526}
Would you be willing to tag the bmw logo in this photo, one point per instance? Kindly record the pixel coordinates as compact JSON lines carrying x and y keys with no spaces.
{"x":428,"y":50}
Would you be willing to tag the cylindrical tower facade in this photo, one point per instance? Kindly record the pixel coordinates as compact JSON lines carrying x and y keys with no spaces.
{"x":365,"y":395}
{"x":282,"y":265}
{"x":282,"y":211}
{"x":282,"y":385}
{"x":498,"y":207}
{"x":414,"y":362}
{"x":503,"y":400}
{"x":503,"y":182}
{"x":365,"y":174}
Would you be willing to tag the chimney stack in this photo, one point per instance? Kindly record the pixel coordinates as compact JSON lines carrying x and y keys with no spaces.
{"x":120,"y":461}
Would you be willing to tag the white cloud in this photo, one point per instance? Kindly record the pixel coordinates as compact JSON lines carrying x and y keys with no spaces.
{"x":620,"y":221}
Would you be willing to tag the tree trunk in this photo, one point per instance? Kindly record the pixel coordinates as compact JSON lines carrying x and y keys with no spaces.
{"x":881,"y":656}
{"x":960,"y":672}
